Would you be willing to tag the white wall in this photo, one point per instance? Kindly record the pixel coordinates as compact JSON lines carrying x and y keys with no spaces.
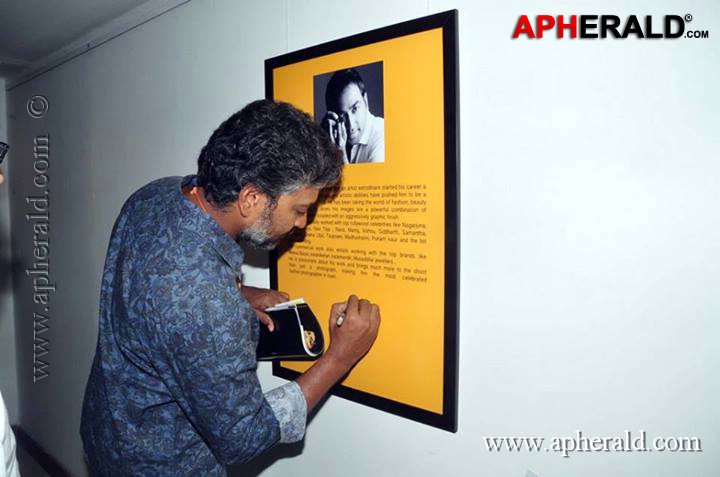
{"x":8,"y":362}
{"x":589,"y":223}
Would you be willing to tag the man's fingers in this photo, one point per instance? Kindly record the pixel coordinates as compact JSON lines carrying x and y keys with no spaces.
{"x":343,"y":132}
{"x":364,"y":307}
{"x":334,"y":131}
{"x":285,"y":296}
{"x":375,"y":317}
{"x":350,"y":308}
{"x":351,"y":342}
{"x":338,"y":308}
{"x":352,"y":304}
{"x":335,"y":311}
{"x":265,"y":320}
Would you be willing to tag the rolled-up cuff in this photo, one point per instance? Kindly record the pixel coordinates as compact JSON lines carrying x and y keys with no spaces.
{"x":288,"y":404}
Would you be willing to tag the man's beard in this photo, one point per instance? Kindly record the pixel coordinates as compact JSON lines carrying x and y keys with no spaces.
{"x":258,"y":234}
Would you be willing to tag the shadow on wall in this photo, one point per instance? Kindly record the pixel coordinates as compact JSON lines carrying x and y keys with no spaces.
{"x":283,"y":451}
{"x":265,"y":460}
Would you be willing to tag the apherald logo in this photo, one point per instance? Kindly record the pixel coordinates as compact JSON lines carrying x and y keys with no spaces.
{"x":606,"y":26}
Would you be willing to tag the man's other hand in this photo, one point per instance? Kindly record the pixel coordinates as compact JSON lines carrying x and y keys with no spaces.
{"x":262,"y":298}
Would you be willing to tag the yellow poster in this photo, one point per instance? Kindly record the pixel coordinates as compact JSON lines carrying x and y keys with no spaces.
{"x":385,"y":235}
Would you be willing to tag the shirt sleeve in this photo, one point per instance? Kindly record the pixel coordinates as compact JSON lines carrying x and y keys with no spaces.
{"x":202,"y":341}
{"x":290,"y":408}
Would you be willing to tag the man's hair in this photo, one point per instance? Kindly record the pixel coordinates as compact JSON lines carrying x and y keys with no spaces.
{"x":338,"y":82}
{"x":271,"y":145}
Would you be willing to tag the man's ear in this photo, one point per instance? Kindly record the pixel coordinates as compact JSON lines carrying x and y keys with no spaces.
{"x":367,"y":105}
{"x":251,"y":200}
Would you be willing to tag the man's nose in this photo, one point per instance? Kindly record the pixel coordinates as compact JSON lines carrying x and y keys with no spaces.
{"x":301,"y":222}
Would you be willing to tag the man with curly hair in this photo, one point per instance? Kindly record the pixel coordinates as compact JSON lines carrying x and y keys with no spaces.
{"x":173,"y":388}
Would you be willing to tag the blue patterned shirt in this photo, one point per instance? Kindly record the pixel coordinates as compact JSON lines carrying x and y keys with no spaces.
{"x":173,"y":388}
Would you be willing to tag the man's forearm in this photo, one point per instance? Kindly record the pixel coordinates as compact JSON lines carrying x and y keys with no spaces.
{"x":317,"y":381}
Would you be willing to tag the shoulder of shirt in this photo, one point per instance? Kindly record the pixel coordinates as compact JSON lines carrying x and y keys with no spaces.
{"x":161,"y":222}
{"x":153,"y":189}
{"x":158,"y":189}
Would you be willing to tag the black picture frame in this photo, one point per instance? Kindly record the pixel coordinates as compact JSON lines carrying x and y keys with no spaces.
{"x":448,"y":22}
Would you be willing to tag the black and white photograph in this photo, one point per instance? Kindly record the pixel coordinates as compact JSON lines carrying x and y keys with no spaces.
{"x":349,"y":105}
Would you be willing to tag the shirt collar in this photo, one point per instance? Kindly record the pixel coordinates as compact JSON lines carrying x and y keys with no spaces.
{"x":367,"y":130}
{"x":205,"y":225}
